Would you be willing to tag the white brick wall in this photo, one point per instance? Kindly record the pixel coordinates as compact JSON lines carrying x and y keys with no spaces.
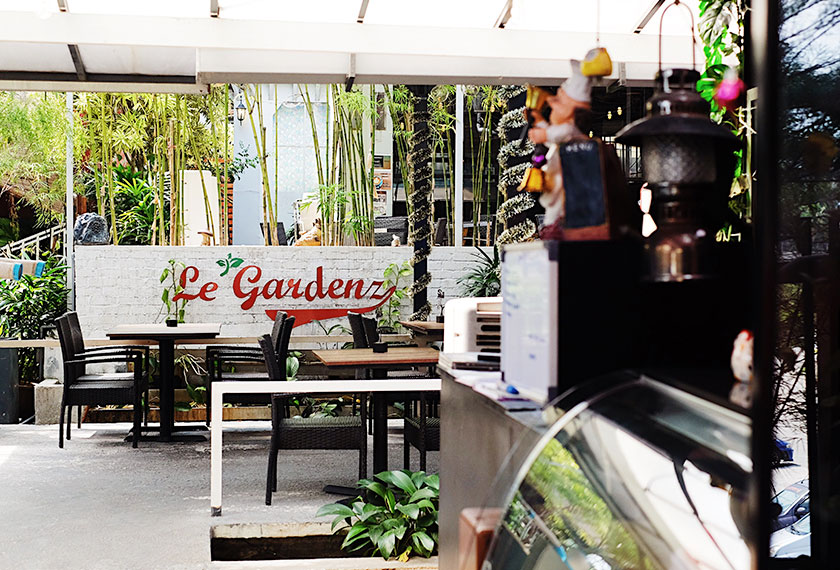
{"x":121,"y":284}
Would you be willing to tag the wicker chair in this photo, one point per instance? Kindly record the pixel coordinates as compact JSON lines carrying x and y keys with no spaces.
{"x":339,"y":432}
{"x":420,"y":430}
{"x":79,"y":347}
{"x":219,"y":355}
{"x":420,"y":426}
{"x":82,"y":389}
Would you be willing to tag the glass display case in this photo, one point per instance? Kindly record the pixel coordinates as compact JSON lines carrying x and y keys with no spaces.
{"x":636,"y":474}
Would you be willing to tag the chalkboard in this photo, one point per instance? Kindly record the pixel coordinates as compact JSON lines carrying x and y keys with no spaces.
{"x":583,"y":183}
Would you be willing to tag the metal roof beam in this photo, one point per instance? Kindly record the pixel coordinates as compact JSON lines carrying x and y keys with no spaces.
{"x":362,"y":11}
{"x":504,"y":16}
{"x":77,"y":62}
{"x":647,"y":17}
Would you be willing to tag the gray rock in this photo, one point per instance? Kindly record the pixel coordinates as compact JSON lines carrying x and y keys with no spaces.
{"x":91,"y":229}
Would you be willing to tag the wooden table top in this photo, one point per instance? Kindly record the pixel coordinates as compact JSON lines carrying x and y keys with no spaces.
{"x":424,"y":327}
{"x":160,"y":330}
{"x":365,"y":357}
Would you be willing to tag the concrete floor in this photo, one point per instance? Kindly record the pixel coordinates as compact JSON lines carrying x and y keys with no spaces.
{"x":99,"y":504}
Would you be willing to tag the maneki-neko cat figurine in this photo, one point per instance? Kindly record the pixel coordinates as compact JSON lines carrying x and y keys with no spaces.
{"x":584,"y":192}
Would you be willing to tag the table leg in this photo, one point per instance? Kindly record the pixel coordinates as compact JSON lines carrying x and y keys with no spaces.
{"x":167,"y":390}
{"x":216,"y":452}
{"x":380,"y":427}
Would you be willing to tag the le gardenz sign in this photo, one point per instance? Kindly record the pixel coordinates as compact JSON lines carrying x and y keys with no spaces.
{"x":250,"y":285}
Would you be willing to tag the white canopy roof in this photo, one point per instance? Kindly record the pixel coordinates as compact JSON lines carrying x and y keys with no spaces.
{"x":183,"y":45}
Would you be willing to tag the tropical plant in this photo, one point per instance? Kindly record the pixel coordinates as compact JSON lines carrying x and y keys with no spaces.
{"x":30,"y":303}
{"x":170,"y":277}
{"x":337,"y":328}
{"x":292,"y":365}
{"x":481,"y":102}
{"x":156,"y":135}
{"x":389,"y":313}
{"x":32,"y":151}
{"x":8,"y":231}
{"x":396,"y":516}
{"x":400,"y":104}
{"x":721,"y":29}
{"x":345,"y":171}
{"x":484,"y":277}
{"x":189,"y":364}
{"x":136,"y":202}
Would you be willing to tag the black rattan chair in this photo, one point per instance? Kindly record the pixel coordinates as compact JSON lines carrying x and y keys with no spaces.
{"x":335,"y":432}
{"x":420,"y":430}
{"x":220,"y":355}
{"x":79,"y":347}
{"x":83,"y":389}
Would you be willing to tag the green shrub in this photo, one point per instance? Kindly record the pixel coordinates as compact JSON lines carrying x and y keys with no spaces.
{"x":396,"y":516}
{"x":484,"y":277}
{"x":30,"y":303}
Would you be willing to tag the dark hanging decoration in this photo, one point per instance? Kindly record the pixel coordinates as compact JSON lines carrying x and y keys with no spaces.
{"x":422,"y":202}
{"x":517,"y":213}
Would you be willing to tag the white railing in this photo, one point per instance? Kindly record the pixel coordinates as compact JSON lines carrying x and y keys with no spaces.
{"x":50,"y":235}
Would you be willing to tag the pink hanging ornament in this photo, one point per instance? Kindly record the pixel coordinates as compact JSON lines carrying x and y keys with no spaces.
{"x":729,"y":90}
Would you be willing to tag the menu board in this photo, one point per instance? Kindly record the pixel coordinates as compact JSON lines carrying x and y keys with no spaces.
{"x":382,"y":186}
{"x":529,"y":318}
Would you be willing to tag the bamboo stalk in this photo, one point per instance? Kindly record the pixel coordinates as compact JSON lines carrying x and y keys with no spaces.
{"x":110,"y":182}
{"x":208,"y":211}
{"x":100,"y":203}
{"x":276,"y":153}
{"x":173,"y":194}
{"x":226,"y":235}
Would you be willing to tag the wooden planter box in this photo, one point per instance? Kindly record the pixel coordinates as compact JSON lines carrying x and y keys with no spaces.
{"x":99,"y":415}
{"x":297,"y":545}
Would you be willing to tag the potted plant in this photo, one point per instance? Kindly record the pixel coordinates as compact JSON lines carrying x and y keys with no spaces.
{"x":170,"y":278}
{"x":26,"y":307}
{"x":394,"y":517}
{"x":484,"y":277}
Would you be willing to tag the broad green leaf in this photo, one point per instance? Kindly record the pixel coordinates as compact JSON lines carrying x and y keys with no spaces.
{"x":433,"y":481}
{"x":425,"y":504}
{"x":220,"y":263}
{"x":424,"y":493}
{"x":375,"y":487}
{"x":390,"y":500}
{"x":375,"y":533}
{"x":386,"y":543}
{"x":357,"y":532}
{"x":334,"y":509}
{"x":236,"y":262}
{"x":399,"y":480}
{"x":418,"y":478}
{"x":423,"y":540}
{"x":411,"y":511}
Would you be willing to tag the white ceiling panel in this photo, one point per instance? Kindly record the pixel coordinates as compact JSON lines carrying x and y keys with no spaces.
{"x":162,"y":8}
{"x":616,"y":16}
{"x":332,"y":11}
{"x":139,"y":60}
{"x":34,"y":57}
{"x":40,"y":7}
{"x":436,"y":13}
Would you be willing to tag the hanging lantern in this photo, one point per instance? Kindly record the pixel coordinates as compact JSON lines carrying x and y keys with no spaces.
{"x":688,"y":164}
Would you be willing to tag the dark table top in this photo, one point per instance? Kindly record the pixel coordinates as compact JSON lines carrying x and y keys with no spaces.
{"x":365,"y":357}
{"x":161,"y":331}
